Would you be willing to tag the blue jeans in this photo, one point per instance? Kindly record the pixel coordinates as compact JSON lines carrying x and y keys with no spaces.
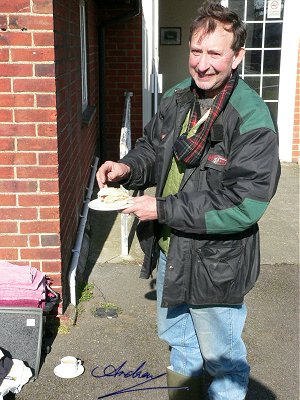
{"x":205,"y":338}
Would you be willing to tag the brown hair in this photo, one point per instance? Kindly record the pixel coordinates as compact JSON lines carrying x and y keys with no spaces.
{"x":212,"y":12}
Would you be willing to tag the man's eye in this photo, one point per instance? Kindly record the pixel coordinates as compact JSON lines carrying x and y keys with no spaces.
{"x":215,"y":55}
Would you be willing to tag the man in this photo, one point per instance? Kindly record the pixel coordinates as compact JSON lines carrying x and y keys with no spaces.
{"x":212,"y":152}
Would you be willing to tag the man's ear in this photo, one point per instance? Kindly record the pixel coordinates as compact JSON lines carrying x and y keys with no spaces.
{"x":239,"y":55}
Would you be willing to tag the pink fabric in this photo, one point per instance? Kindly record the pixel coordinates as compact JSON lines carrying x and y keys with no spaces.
{"x":21,"y":284}
{"x":20,"y":303}
{"x":22,"y":275}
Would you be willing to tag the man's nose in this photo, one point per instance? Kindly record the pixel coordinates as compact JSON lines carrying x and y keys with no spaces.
{"x":203,"y":62}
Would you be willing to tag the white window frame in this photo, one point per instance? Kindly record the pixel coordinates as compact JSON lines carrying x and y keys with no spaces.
{"x":83,"y":49}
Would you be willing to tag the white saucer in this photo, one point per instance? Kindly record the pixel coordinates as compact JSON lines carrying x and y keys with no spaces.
{"x":58,"y":370}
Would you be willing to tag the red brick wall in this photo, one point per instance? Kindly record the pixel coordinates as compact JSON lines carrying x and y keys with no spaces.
{"x":296,"y":136}
{"x":45,"y":150}
{"x":123,"y":72}
{"x":29,"y":214}
{"x":76,"y":141}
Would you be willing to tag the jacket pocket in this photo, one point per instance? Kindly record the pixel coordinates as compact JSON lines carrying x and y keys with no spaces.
{"x":214,"y":175}
{"x":215,"y":273}
{"x":220,"y":262}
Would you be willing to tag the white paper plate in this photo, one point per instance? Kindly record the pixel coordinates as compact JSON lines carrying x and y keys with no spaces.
{"x":58,"y":370}
{"x":100,"y":206}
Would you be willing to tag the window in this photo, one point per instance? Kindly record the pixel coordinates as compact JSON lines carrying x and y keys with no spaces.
{"x":261,"y":65}
{"x":83,"y":48}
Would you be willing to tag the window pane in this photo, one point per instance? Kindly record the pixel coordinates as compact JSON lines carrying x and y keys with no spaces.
{"x":271,"y":62}
{"x":270,"y":87}
{"x":273,"y":107}
{"x":252,"y":62}
{"x":237,"y":6}
{"x":253,"y":82}
{"x":254,"y":35}
{"x":255,"y":10}
{"x":273,"y":35}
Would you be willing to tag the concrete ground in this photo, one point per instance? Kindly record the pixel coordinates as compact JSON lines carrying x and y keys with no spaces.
{"x":129,"y":340}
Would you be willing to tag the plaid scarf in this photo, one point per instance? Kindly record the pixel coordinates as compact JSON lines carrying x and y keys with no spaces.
{"x":189,"y":150}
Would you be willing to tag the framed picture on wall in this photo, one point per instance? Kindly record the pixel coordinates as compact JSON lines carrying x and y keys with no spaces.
{"x":170,"y":35}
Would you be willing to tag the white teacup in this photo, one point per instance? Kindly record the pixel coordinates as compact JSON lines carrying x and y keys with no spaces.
{"x":69,"y":365}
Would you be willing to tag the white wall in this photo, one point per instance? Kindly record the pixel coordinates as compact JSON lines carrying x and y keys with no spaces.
{"x":173,"y":59}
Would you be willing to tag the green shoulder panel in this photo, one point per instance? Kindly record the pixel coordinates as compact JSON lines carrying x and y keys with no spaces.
{"x":254,"y":112}
{"x":181,"y":85}
{"x":235,"y":219}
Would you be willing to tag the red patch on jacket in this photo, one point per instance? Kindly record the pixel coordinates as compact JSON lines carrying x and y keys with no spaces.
{"x":217,"y":159}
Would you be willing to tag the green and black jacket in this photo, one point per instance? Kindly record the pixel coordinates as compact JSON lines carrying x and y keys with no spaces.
{"x":213,"y":257}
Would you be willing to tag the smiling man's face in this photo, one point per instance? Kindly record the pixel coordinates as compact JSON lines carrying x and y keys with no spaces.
{"x":212,"y":60}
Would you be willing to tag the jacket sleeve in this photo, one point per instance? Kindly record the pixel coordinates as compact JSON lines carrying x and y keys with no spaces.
{"x":248,"y":184}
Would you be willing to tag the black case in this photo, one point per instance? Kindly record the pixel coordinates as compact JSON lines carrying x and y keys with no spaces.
{"x":21,"y":332}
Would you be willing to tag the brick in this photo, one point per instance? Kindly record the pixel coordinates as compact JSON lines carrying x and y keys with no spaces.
{"x":45,"y":100}
{"x":34,"y":115}
{"x":41,"y":254}
{"x":7,"y":200}
{"x":49,"y":130}
{"x":8,"y":227}
{"x":38,"y":200}
{"x":37,"y":172}
{"x":7,"y":158}
{"x":31,"y":22}
{"x":5,"y":115}
{"x":7,"y":144}
{"x":49,"y":213}
{"x":42,"y":6}
{"x":18,"y":213}
{"x":11,"y":38}
{"x":6,"y":173}
{"x":39,"y":227}
{"x":16,"y":100}
{"x":3,"y":22}
{"x":34,"y":241}
{"x":50,"y":240}
{"x":15,"y":6}
{"x":33,"y":54}
{"x":13,"y":241}
{"x":17,"y":130}
{"x":5,"y":85}
{"x":4,"y":54}
{"x":49,"y":186}
{"x":36,"y":144}
{"x":12,"y":186}
{"x":34,"y":85}
{"x":14,"y":70}
{"x":43,"y":38}
{"x":51,"y":266}
{"x":48,"y":159}
{"x":47,"y":70}
{"x":8,"y":254}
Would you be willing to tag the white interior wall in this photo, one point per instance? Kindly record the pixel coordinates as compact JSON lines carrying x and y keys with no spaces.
{"x":173,"y":59}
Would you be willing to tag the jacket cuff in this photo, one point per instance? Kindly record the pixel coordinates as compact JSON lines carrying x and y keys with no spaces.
{"x":161,"y":209}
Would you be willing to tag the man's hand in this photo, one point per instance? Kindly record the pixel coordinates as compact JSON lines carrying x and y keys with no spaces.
{"x":143,"y":207}
{"x":111,"y":172}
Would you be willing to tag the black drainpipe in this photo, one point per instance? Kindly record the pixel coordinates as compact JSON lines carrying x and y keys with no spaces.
{"x":102,"y":150}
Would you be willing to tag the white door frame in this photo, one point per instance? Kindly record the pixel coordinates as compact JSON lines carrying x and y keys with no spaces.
{"x":288,"y":78}
{"x":150,"y":58}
